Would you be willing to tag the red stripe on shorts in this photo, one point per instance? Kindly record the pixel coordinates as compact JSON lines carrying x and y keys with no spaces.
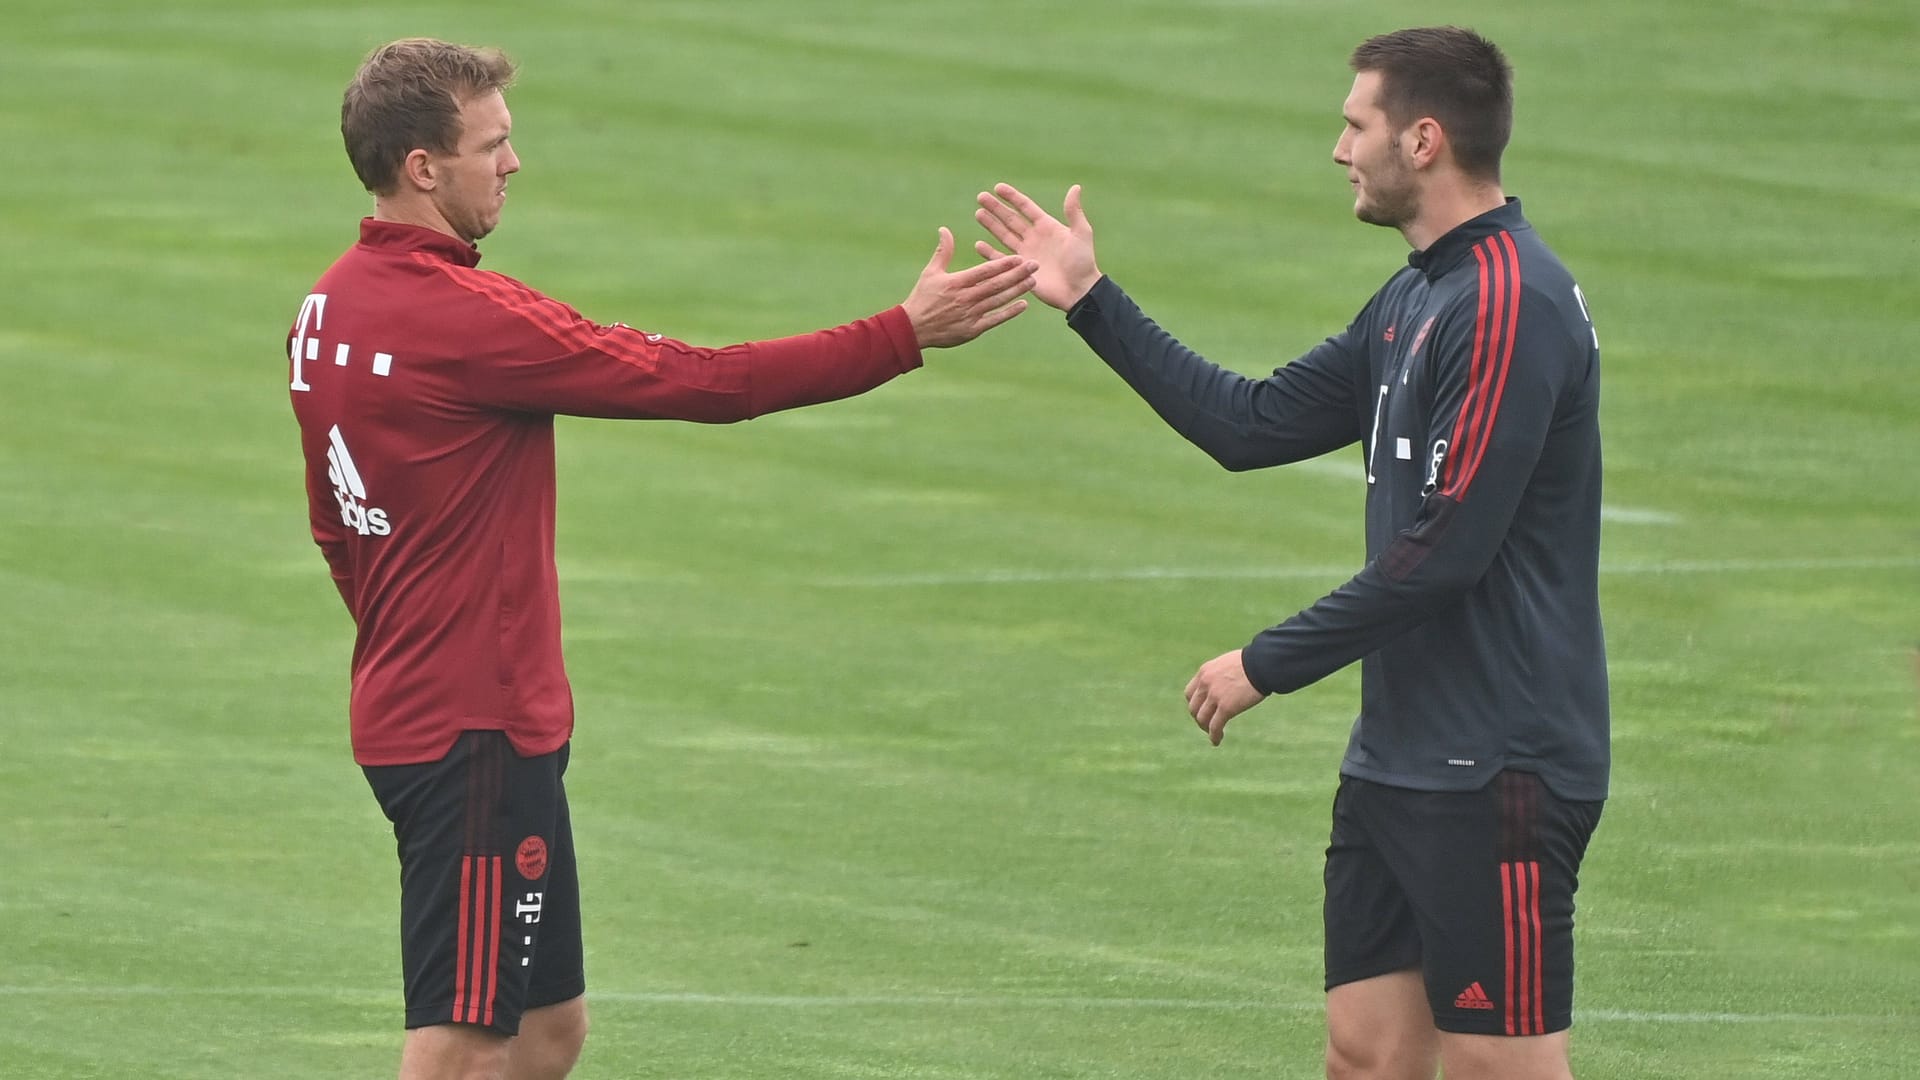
{"x":460,"y":938}
{"x":493,"y":938}
{"x":1539,"y":951}
{"x":1526,"y":948}
{"x":1506,"y":913}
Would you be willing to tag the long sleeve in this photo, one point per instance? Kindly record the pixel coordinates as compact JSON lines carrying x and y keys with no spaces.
{"x":1303,"y":410}
{"x":544,"y":357}
{"x":324,"y":522}
{"x":1499,"y":377}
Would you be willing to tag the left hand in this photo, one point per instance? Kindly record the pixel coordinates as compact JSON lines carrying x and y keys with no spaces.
{"x":1220,"y":691}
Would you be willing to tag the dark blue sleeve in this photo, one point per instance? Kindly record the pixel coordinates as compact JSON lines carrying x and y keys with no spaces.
{"x":1496,"y":394}
{"x":1302,"y":410}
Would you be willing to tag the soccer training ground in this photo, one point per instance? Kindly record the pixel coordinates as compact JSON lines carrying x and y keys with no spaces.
{"x":882,"y":768}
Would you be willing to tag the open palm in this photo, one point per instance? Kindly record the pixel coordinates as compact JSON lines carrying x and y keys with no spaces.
{"x":1064,"y":250}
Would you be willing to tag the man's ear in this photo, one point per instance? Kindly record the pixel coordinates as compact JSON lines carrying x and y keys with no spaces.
{"x":417,"y":170}
{"x":1424,"y":141}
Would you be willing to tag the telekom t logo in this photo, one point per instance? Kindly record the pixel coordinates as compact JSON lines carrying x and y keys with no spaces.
{"x":304,"y":347}
{"x":528,"y":910}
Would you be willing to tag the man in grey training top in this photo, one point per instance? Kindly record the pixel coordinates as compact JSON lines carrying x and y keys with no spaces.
{"x":1477,"y":768}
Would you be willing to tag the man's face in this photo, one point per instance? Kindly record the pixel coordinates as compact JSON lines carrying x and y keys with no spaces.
{"x":1385,"y":191}
{"x":472,"y":181}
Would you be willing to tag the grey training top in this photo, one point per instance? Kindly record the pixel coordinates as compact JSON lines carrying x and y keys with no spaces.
{"x":1472,"y":382}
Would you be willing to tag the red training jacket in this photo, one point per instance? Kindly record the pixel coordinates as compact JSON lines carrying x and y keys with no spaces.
{"x":426,"y":391}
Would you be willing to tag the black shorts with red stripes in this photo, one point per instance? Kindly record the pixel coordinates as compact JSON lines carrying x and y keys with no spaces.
{"x":1473,"y":888}
{"x":489,"y":892}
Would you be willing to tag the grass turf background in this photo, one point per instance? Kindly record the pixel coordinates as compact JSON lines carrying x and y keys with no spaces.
{"x":881,"y":767}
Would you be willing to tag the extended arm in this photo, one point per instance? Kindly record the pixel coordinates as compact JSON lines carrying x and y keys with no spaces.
{"x":546,"y":357}
{"x":1303,"y":410}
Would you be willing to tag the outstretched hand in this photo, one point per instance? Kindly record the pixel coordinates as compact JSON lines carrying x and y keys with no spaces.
{"x":954,"y":308}
{"x":1064,"y":251}
{"x":1220,"y":691}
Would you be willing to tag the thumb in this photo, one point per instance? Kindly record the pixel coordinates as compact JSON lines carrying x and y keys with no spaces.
{"x":942,"y":253}
{"x":1076,"y":217}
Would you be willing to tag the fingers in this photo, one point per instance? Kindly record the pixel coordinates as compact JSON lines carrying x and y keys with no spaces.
{"x":980,"y":273}
{"x":1011,"y":280}
{"x":998,"y":315}
{"x":1019,"y":201}
{"x":1211,"y":718}
{"x":1076,"y":217}
{"x":994,"y":216}
{"x":942,"y":252}
{"x":1010,"y":288}
{"x":1209,"y":710}
{"x":1199,"y":705}
{"x":988,"y":251}
{"x":990,"y":284}
{"x":968,"y":303}
{"x":1005,"y":214}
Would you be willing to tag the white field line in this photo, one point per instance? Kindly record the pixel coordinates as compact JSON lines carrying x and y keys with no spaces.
{"x":920,"y":1001}
{"x":1020,"y":576}
{"x":1633,"y":515}
{"x":1770,"y":848}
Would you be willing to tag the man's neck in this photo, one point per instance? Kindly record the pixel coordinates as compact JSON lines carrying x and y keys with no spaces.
{"x":1445,"y":209}
{"x":419,"y":212}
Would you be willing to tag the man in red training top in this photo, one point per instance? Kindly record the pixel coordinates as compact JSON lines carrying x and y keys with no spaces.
{"x":426,"y":390}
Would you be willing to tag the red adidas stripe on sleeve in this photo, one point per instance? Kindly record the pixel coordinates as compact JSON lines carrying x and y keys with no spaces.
{"x":550,"y":316}
{"x":1496,"y":321}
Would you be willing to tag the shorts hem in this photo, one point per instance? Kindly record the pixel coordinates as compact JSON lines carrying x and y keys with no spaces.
{"x":1454,"y":1025}
{"x":437,"y":1015}
{"x":539,"y":997}
{"x":1372,"y":971}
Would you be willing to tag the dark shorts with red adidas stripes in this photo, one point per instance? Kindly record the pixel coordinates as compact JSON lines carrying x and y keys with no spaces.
{"x":489,"y":893}
{"x":1473,"y":888}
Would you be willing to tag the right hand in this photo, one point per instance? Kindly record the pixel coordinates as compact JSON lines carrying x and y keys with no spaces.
{"x":1064,"y":251}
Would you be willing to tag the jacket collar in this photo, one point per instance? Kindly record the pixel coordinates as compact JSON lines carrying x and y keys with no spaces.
{"x":1451,"y":250}
{"x":395,"y":237}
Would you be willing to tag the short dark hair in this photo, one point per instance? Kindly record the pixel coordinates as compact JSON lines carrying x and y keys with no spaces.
{"x":407,"y":96}
{"x":1453,"y":75}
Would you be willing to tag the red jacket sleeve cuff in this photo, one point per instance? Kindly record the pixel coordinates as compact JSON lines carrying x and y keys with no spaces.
{"x":899,"y":331}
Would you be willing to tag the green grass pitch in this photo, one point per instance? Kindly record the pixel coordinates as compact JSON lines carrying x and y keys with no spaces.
{"x":882,"y":768}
